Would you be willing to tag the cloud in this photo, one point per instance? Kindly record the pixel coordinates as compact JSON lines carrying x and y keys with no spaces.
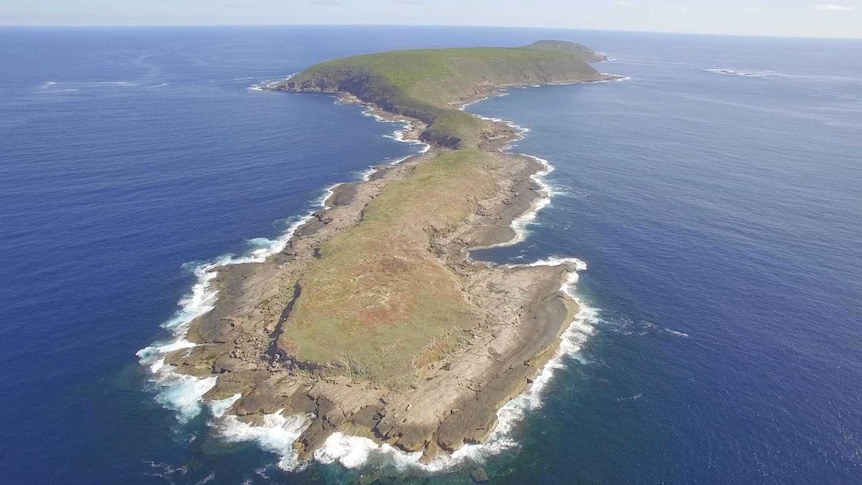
{"x":625,"y":3}
{"x":681,"y":8}
{"x":831,"y":7}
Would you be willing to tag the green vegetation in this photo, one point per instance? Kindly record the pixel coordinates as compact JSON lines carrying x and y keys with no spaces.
{"x":424,"y":84}
{"x":378,"y":302}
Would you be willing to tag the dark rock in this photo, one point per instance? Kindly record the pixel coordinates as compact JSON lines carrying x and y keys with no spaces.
{"x":479,"y":475}
{"x":309,"y":228}
{"x":342,"y":195}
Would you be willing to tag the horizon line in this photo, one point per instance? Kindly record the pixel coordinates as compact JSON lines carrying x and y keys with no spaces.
{"x":513,"y":27}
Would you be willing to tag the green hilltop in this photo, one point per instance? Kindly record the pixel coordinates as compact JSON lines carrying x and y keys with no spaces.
{"x":429,"y":84}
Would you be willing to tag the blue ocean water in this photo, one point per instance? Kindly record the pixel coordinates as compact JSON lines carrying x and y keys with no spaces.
{"x":716,"y":196}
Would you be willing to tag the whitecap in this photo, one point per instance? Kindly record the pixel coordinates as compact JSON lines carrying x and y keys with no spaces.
{"x":56,"y":91}
{"x":220,"y":407}
{"x":615,"y":78}
{"x":732,"y":72}
{"x":676,"y":333}
{"x":182,"y":393}
{"x":630,"y":398}
{"x":277,"y":435}
{"x":264,"y":85}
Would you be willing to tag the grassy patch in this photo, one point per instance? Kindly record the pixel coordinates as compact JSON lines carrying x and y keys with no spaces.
{"x":378,"y":301}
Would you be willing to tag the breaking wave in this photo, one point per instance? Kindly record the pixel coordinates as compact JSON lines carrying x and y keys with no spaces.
{"x":522,"y":222}
{"x":264,"y":85}
{"x":277,"y":435}
{"x":398,"y":135}
{"x":546,"y":191}
{"x":731,"y":72}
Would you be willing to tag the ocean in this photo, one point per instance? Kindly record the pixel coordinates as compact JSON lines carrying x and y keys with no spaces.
{"x":715,"y":196}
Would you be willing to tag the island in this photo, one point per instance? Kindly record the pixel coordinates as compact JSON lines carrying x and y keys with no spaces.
{"x":374,"y":320}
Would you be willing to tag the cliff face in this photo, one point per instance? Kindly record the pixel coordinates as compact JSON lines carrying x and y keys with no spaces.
{"x":428,"y":84}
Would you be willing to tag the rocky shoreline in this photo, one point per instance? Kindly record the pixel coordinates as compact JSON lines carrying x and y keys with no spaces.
{"x":449,"y":402}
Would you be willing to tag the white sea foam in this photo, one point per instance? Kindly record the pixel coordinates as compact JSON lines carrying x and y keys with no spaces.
{"x":263,"y":85}
{"x":732,"y":72}
{"x":676,"y":332}
{"x":55,"y":87}
{"x":398,"y":135}
{"x":220,"y":407}
{"x":55,"y":91}
{"x":497,"y":94}
{"x":277,"y":434}
{"x":521,"y":223}
{"x":546,"y":191}
{"x":367,"y":173}
{"x":615,"y":79}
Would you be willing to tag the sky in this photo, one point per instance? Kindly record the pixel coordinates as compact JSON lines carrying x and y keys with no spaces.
{"x":804,"y":18}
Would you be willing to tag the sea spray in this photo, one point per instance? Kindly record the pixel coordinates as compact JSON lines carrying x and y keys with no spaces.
{"x":277,"y":435}
{"x":268,"y":85}
{"x":220,"y":407}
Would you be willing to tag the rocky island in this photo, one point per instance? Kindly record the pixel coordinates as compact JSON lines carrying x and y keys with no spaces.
{"x":374,"y":320}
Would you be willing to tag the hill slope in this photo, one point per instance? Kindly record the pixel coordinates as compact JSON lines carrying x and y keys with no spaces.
{"x":429,"y":84}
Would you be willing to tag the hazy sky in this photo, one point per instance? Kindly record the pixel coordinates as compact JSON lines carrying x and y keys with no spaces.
{"x":824,"y":18}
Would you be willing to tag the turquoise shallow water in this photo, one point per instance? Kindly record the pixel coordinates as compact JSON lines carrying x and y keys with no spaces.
{"x":715,"y":197}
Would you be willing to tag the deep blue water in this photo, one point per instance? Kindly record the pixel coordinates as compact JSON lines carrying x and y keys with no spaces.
{"x":719,"y":215}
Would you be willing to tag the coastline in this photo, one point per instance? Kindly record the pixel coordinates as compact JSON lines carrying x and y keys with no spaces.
{"x":240,"y":424}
